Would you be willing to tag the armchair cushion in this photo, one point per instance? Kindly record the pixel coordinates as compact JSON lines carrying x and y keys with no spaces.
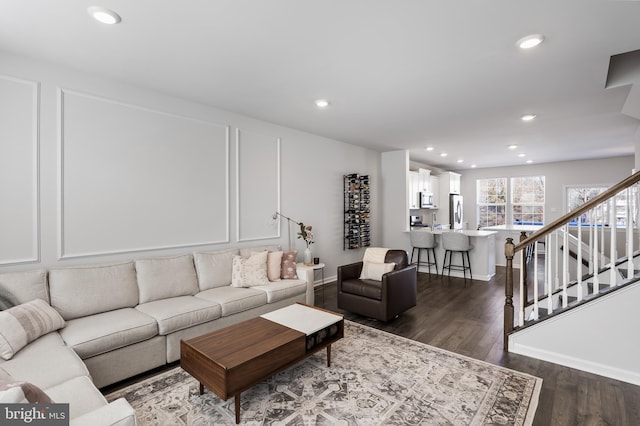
{"x":363,"y":287}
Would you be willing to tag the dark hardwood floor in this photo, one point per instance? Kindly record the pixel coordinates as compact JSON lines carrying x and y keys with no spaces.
{"x":469,"y":321}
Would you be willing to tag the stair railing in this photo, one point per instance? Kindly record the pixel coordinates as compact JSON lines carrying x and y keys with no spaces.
{"x":579,"y":260}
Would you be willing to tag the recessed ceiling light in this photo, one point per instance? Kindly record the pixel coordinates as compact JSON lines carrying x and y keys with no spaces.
{"x":512,"y":146}
{"x":473,"y":166}
{"x":429,"y":148}
{"x":522,"y":155}
{"x":104,"y":15}
{"x":444,"y":154}
{"x":530,"y":41}
{"x":529,"y":161}
{"x":322,"y":103}
{"x":528,"y":117}
{"x":460,"y":161}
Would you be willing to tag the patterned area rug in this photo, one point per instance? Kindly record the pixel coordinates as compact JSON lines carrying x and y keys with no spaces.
{"x":375,"y":378}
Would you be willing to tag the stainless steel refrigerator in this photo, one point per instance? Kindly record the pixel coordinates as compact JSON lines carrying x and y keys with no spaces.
{"x":456,"y":218}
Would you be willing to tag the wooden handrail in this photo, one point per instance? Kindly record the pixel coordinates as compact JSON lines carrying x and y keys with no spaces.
{"x":547,"y":229}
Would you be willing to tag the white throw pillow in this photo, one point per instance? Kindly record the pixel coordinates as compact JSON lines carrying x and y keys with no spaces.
{"x":24,"y":323}
{"x":375,"y":271}
{"x":250,"y":271}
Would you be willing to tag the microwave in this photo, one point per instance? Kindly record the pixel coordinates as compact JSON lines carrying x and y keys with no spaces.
{"x":426,"y":200}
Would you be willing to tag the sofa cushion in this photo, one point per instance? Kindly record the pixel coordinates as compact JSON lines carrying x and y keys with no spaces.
{"x":24,"y":323}
{"x":214,"y":268}
{"x":367,"y":288}
{"x":60,"y":363}
{"x":180,"y":312}
{"x":251,"y":271}
{"x":283,"y":289}
{"x":20,"y":287}
{"x":78,"y":292}
{"x":104,"y":332}
{"x":375,"y":271}
{"x":30,"y":393}
{"x":80,"y":392}
{"x":289,"y":270}
{"x":248,"y":251}
{"x":166,"y":277}
{"x":233,"y":300}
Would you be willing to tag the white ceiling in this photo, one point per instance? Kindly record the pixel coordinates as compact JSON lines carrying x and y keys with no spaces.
{"x":399,"y":74}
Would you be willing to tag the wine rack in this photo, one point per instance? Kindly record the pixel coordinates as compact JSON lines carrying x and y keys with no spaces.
{"x":357,"y":211}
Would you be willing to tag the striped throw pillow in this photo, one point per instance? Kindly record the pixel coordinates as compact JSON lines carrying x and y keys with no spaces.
{"x":22,"y":324}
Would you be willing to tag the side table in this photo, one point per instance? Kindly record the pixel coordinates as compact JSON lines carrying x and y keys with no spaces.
{"x":317,"y":267}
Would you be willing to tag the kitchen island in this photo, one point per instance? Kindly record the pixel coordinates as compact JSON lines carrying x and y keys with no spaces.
{"x":509,"y":231}
{"x":482,"y":256}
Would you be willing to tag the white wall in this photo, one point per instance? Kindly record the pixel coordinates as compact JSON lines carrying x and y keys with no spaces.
{"x":96,"y":171}
{"x":395,"y":208}
{"x":599,"y":337}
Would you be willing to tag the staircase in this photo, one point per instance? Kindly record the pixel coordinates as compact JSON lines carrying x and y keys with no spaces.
{"x":575,"y":267}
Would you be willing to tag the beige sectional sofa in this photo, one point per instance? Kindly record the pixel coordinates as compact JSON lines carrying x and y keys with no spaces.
{"x":127,"y":318}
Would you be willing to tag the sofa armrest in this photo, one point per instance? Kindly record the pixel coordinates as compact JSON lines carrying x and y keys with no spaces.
{"x":401,"y":286}
{"x":349,"y":272}
{"x":306,"y":273}
{"x":116,"y":413}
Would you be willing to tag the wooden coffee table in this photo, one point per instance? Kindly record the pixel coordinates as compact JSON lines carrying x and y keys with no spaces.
{"x":233,"y":359}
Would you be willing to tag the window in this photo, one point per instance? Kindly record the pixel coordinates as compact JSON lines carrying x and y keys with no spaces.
{"x":491,"y":201}
{"x":527,"y":200}
{"x":577,"y":196}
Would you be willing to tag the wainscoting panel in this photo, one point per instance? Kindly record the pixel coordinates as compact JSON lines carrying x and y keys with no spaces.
{"x":19,"y":183}
{"x":133,"y":178}
{"x":257,"y":185}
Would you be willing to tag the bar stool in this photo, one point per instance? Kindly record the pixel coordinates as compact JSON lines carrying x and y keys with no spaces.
{"x":456,"y":242}
{"x":424,"y":240}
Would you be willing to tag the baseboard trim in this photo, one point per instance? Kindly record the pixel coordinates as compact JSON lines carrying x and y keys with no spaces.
{"x":573,"y":362}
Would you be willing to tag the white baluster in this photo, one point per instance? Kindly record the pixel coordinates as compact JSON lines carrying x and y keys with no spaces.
{"x":630,"y":222}
{"x":535,"y":280}
{"x":523,"y":297}
{"x":613,"y":256}
{"x":596,"y":255}
{"x":579,"y":262}
{"x":565,"y":264}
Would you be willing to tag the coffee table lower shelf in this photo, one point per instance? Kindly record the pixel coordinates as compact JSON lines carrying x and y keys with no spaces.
{"x":234,"y":359}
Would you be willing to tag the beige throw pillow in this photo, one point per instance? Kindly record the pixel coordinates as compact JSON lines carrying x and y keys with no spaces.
{"x":24,"y":323}
{"x":250,"y":271}
{"x":274,"y":265}
{"x":375,"y":271}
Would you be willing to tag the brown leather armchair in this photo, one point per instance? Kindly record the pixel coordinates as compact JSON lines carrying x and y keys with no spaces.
{"x":382,"y":300}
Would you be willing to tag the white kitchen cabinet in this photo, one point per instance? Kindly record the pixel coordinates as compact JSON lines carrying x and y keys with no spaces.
{"x":434,"y":185}
{"x":414,"y":185}
{"x":424,"y":182}
{"x":451,"y":182}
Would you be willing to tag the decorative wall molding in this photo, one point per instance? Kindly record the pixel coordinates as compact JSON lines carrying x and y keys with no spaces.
{"x":131,"y":178}
{"x":21,"y":242}
{"x":257,"y":186}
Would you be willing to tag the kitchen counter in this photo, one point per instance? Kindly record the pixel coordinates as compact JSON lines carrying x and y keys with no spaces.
{"x":482,"y":256}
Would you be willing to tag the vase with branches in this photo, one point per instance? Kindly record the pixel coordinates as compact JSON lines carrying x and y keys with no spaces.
{"x":306,"y":234}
